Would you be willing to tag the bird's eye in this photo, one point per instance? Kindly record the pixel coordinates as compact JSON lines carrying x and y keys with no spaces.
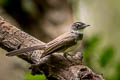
{"x":77,"y":26}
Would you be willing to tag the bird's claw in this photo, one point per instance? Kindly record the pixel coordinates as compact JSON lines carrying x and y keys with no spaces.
{"x":68,"y":56}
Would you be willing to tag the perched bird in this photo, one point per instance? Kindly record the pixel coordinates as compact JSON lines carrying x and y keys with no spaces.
{"x":65,"y":43}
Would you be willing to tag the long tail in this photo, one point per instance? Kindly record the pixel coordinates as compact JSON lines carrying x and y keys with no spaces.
{"x":24,"y":50}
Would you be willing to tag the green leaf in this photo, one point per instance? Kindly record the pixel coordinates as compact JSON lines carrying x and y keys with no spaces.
{"x":89,"y":47}
{"x":28,"y":76}
{"x":106,"y":56}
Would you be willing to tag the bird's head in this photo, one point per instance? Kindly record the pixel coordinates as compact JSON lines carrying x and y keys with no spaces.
{"x":78,"y":27}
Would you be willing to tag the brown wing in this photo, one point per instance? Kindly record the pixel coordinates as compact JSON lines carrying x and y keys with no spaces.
{"x":59,"y":42}
{"x":24,"y":50}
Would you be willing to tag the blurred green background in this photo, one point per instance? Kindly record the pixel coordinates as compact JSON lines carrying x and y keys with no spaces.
{"x":47,"y":19}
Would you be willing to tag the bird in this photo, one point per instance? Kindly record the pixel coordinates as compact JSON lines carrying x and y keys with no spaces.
{"x":65,"y":43}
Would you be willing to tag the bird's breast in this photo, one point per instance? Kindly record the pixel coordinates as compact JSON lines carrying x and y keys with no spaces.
{"x":73,"y":47}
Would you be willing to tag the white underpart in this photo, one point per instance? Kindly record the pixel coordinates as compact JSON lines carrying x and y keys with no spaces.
{"x":77,"y":31}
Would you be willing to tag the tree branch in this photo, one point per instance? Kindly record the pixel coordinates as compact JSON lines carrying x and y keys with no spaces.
{"x":12,"y":38}
{"x":54,"y":66}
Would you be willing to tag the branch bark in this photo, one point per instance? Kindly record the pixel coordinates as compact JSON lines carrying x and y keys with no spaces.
{"x":54,"y":66}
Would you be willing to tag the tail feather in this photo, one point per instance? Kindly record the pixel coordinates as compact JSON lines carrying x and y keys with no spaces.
{"x":24,"y":50}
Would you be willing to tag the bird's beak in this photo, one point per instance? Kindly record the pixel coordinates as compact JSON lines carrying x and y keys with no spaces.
{"x":86,"y":25}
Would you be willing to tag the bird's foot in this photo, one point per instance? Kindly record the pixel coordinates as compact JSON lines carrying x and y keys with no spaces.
{"x":68,"y":56}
